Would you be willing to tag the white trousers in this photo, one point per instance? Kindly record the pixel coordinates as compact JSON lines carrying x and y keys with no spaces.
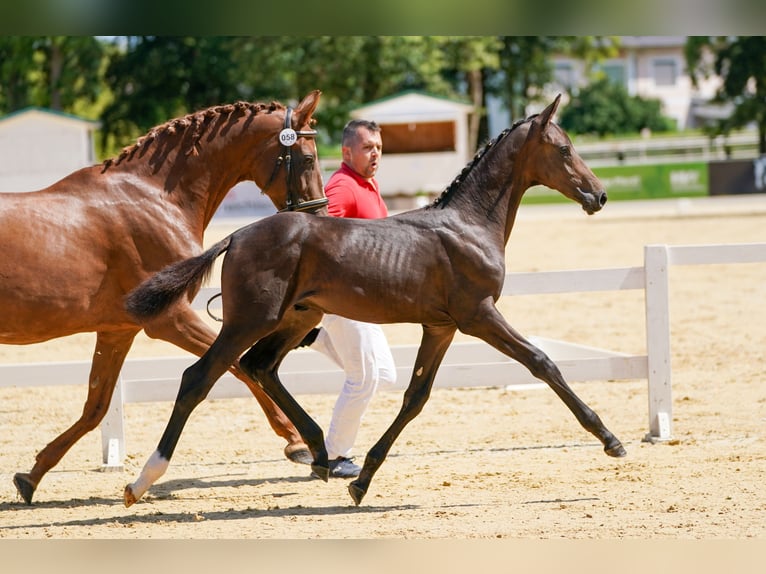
{"x":362,"y":351}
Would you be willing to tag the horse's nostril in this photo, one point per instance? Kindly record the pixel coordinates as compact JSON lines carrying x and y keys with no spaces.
{"x":602,"y":199}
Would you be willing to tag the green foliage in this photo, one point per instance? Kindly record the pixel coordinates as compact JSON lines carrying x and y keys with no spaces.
{"x":156,"y":78}
{"x":605,"y":107}
{"x":132,"y":83}
{"x":525,"y":65}
{"x":58,"y":72}
{"x":741,"y":62}
{"x":16,"y":60}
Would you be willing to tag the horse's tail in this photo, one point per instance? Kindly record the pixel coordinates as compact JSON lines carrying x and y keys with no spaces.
{"x":162,"y":289}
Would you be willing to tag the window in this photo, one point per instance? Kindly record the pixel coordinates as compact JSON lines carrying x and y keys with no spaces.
{"x":665,"y":73}
{"x":615,"y":71}
{"x":564,"y":75}
{"x":418,"y":137}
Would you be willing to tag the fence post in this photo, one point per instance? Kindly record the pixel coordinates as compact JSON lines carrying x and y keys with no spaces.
{"x":113,"y":431}
{"x":656,"y":263}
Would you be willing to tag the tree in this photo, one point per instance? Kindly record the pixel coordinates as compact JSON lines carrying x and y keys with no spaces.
{"x":741,"y":63}
{"x":525,"y":66}
{"x":56,"y":72}
{"x":469,"y":61}
{"x":605,"y":107}
{"x":71,"y":70}
{"x":17,"y":61}
{"x":156,"y":78}
{"x":354,"y":70}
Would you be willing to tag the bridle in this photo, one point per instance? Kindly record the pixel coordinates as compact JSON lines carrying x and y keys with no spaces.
{"x":287,"y":138}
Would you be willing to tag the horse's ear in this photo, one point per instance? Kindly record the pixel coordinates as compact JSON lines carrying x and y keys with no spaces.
{"x":307,"y":107}
{"x":547,"y":113}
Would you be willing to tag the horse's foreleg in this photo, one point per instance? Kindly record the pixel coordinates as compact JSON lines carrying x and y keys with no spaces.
{"x":184,"y":328}
{"x":262,"y":363}
{"x":108,"y":357}
{"x":433,"y":346}
{"x":495,"y":330}
{"x":196,"y":382}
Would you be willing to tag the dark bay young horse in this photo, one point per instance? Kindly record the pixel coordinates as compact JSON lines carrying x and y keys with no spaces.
{"x":442,"y":266}
{"x":73,"y":250}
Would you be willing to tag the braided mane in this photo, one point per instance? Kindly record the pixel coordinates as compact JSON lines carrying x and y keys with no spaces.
{"x":189,"y":129}
{"x":447,"y":193}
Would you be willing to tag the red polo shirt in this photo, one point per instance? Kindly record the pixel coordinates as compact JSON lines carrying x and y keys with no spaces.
{"x":350,"y":195}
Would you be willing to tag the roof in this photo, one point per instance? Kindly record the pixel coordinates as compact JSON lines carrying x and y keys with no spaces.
{"x":33,"y":110}
{"x":652,"y":41}
{"x":412,"y":106}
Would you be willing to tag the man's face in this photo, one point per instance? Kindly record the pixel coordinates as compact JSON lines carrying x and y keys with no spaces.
{"x":363,"y":155}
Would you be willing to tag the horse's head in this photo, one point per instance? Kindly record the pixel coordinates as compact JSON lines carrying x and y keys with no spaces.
{"x":552,"y":161}
{"x":294,"y":182}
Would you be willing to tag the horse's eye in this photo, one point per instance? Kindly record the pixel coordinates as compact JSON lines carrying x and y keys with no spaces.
{"x":565,"y":151}
{"x":308,"y":160}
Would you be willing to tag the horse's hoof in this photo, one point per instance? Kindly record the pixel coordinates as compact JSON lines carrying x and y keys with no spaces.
{"x":301,"y":455}
{"x":24,"y":485}
{"x":322,"y":472}
{"x":357,"y":494}
{"x":128,"y":497}
{"x":616,"y":450}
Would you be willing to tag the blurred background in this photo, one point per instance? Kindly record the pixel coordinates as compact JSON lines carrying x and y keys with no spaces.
{"x":654,"y":116}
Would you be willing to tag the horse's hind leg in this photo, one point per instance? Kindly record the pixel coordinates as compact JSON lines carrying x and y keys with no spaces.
{"x":108,"y":357}
{"x":494,"y":329}
{"x":196,"y":382}
{"x":184,"y":328}
{"x":433,"y":346}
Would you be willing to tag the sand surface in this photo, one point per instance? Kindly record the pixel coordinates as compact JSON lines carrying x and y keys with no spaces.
{"x":477,"y":463}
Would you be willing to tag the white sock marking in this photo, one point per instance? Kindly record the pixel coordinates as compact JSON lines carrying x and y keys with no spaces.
{"x":154,"y":468}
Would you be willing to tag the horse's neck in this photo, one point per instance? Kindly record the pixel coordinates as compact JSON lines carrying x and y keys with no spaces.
{"x":217,"y":169}
{"x":514,"y":200}
{"x":197,"y":183}
{"x":493,"y":203}
{"x":508,"y":185}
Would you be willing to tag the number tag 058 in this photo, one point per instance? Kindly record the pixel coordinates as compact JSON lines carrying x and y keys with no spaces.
{"x":288,"y":137}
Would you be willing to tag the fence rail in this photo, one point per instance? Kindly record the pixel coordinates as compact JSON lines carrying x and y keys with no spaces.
{"x":664,"y":149}
{"x":466,"y":364}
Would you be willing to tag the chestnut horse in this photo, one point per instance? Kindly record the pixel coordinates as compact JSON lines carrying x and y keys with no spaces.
{"x":441,"y":266}
{"x":73,"y":250}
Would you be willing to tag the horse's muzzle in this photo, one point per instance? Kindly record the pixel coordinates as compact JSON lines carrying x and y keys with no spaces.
{"x":593,"y":201}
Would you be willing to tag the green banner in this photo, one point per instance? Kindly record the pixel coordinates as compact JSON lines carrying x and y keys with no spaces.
{"x":647,"y":181}
{"x":654,"y":181}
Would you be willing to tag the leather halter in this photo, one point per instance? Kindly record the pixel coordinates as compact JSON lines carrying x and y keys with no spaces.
{"x":294,"y":202}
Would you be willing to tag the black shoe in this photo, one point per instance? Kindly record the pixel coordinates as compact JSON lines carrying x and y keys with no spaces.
{"x":310,"y":337}
{"x":342,"y":467}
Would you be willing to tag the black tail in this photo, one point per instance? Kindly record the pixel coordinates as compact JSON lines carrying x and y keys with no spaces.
{"x":158,"y":292}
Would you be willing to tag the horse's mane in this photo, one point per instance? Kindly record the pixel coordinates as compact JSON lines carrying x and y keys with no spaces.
{"x":447,"y":193}
{"x":193,"y":125}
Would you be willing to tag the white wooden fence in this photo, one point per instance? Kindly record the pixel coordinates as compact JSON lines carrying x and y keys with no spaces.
{"x":466,"y":364}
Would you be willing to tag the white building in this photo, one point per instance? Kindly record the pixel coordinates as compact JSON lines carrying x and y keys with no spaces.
{"x":650,"y":67}
{"x":38,"y":147}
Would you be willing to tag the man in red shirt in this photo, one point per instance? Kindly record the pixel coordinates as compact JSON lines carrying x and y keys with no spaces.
{"x":352,"y":190}
{"x":360,"y":349}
